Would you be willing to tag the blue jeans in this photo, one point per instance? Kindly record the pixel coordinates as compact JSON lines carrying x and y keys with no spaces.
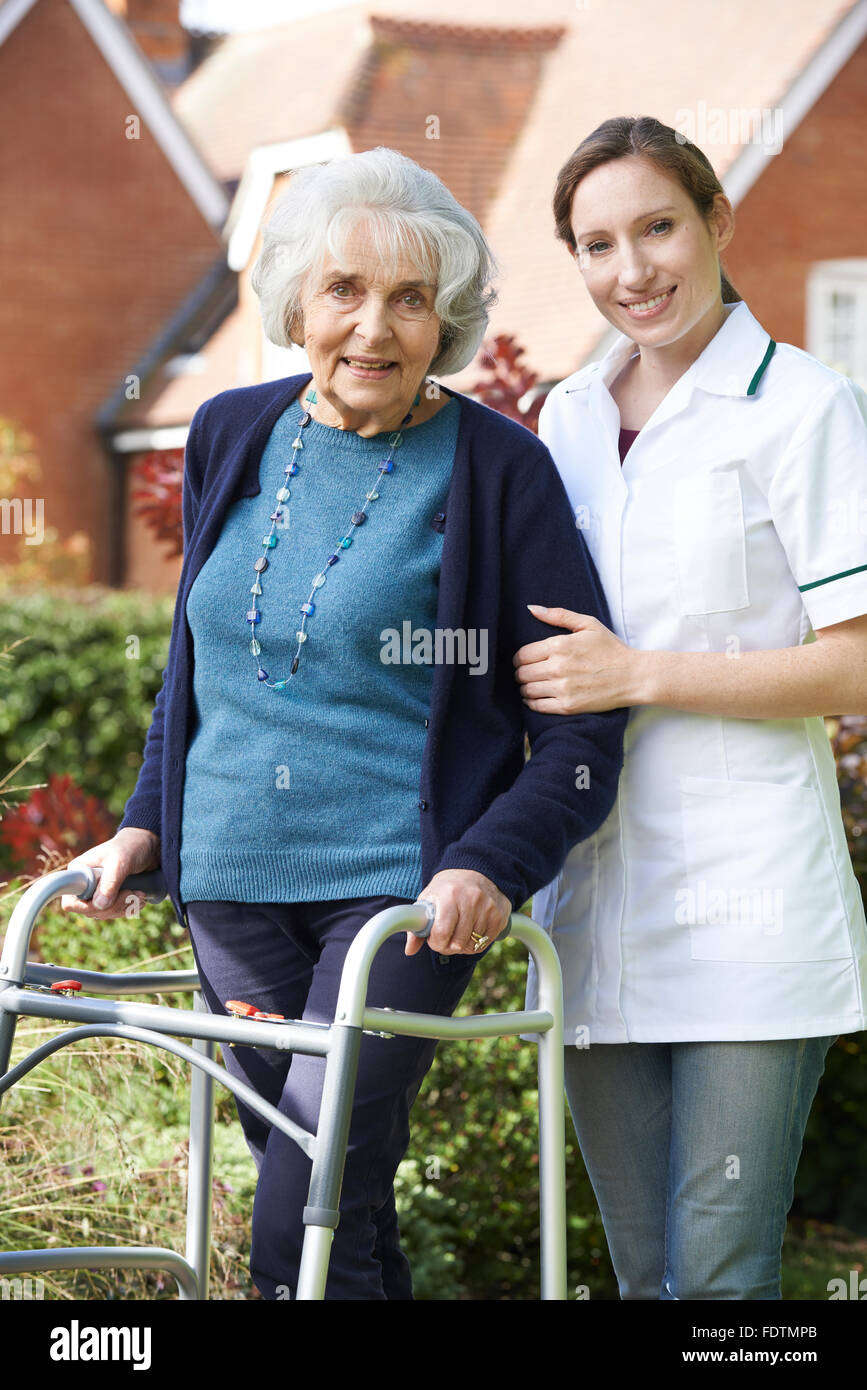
{"x":692,"y":1148}
{"x":287,"y":958}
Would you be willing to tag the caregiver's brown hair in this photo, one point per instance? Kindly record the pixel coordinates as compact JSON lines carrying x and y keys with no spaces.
{"x":647,"y":137}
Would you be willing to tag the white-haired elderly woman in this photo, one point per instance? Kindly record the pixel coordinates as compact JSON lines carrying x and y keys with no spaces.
{"x":339,"y":728}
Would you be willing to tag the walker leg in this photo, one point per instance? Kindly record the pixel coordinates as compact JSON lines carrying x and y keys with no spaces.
{"x":552,"y":1165}
{"x":7,"y":1034}
{"x":322,"y":1211}
{"x":200,"y":1163}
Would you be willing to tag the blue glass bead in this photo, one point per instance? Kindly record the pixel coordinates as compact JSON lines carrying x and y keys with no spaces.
{"x":371,"y":496}
{"x":283,"y":494}
{"x":332,"y":559}
{"x":386,"y":466}
{"x":311,"y":396}
{"x":254,"y":616}
{"x":308,"y":608}
{"x":279,"y":685}
{"x":275,"y":516}
{"x":291,"y":469}
{"x":269,"y":541}
{"x":358,"y":518}
{"x":345,"y":541}
{"x":262,"y":674}
{"x":319,"y":581}
{"x":255,"y":647}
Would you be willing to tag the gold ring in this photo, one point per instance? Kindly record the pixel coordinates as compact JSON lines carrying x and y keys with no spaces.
{"x":480,"y":941}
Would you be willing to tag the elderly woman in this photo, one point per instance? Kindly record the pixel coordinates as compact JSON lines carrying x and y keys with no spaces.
{"x":339,"y":730}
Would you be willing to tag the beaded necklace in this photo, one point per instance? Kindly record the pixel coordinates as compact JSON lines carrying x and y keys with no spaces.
{"x":358,"y":518}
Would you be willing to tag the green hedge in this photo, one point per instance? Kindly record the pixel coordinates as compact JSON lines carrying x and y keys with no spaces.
{"x":468,"y":1188}
{"x":77,"y":685}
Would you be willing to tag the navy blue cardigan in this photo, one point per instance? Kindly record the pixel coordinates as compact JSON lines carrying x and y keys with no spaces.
{"x":509,"y":539}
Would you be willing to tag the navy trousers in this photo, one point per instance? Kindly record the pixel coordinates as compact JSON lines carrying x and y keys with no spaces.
{"x":287,"y":958}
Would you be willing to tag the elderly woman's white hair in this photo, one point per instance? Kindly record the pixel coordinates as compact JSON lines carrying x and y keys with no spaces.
{"x":410,"y":213}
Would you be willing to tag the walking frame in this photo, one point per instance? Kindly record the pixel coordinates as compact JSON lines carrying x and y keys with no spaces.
{"x":28,"y":988}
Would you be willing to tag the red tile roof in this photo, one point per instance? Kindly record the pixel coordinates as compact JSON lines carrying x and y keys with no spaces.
{"x":512,"y":101}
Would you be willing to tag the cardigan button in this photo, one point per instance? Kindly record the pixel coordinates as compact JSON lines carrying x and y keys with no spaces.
{"x":422,"y":805}
{"x":426,"y":722}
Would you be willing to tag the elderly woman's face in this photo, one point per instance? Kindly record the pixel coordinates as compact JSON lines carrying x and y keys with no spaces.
{"x":370,"y":334}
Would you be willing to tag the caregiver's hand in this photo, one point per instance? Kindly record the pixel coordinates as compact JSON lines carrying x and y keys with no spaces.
{"x":466,"y":902}
{"x":584,"y":671}
{"x":130,"y":851}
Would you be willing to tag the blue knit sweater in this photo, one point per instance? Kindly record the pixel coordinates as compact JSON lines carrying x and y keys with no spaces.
{"x":270,"y":812}
{"x":509,"y":540}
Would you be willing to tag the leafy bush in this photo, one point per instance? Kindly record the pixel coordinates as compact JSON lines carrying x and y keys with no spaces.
{"x":468,"y":1192}
{"x":82,"y":684}
{"x":87,"y":668}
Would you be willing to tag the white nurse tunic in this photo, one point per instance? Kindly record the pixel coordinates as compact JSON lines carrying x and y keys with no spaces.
{"x":717,"y":900}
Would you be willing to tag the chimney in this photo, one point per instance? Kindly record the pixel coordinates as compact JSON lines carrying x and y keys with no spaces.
{"x":156,"y":27}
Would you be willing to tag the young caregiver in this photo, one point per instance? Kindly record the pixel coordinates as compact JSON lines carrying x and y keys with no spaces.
{"x":711,"y":932}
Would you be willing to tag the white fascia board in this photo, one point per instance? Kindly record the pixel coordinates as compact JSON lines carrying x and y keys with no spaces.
{"x":149,"y":102}
{"x":12,"y":14}
{"x":144,"y":440}
{"x":799,"y":100}
{"x":263,"y":165}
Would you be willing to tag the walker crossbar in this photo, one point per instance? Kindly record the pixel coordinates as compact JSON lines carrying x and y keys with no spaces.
{"x":25,"y":990}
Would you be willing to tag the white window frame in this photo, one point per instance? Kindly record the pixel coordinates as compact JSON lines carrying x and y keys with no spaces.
{"x":827,"y":278}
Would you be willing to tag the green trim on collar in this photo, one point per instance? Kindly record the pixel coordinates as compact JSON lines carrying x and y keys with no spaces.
{"x":753,"y":384}
{"x":751,"y":389}
{"x":844,"y":574}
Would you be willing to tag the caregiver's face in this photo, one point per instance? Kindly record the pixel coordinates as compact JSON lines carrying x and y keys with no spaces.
{"x":649,"y":259}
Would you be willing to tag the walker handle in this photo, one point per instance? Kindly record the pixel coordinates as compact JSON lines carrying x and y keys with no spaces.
{"x":423,"y":932}
{"x":151,"y":882}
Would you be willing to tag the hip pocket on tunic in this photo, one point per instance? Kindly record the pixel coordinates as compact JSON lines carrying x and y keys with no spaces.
{"x":710,"y":542}
{"x":760,"y":879}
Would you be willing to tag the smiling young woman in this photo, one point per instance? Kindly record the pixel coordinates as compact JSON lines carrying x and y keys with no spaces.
{"x":712,"y":932}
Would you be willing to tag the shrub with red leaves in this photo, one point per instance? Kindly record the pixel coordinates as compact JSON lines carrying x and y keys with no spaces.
{"x":54,"y":825}
{"x":159,"y":477}
{"x":507,"y":381}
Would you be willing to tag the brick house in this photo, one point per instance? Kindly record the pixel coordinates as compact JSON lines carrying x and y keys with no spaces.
{"x":110,"y":229}
{"x":494,"y":107}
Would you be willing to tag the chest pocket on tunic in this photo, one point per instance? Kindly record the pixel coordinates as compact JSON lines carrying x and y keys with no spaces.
{"x":710,"y":542}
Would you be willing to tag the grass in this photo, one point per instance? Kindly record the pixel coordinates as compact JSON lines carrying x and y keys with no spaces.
{"x":93,"y":1150}
{"x":90,"y":1158}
